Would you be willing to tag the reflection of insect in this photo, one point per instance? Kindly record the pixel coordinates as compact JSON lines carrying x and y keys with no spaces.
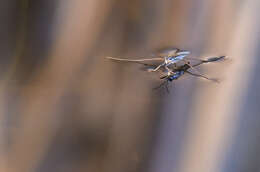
{"x":181,"y":70}
{"x":166,"y":58}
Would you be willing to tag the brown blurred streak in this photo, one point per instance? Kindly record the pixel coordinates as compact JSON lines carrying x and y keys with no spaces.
{"x":172,"y":29}
{"x":41,"y":97}
{"x":221,"y":26}
{"x":213,"y":125}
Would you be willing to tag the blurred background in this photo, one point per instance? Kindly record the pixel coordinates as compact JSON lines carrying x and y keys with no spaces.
{"x":63,"y":107}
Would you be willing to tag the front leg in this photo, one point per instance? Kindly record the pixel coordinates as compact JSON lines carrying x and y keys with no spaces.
{"x":168,"y":70}
{"x":163,"y":64}
{"x":157,"y":68}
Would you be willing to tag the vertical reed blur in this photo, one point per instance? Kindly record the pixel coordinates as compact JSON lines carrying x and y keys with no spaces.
{"x":64,"y":107}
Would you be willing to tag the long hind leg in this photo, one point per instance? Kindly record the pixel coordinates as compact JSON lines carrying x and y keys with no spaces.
{"x":188,"y":63}
{"x":158,"y":67}
{"x":203,"y":76}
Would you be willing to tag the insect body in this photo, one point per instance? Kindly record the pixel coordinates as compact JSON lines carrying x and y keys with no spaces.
{"x":170,"y":77}
{"x":181,"y":70}
{"x":175,"y":76}
{"x":172,"y":58}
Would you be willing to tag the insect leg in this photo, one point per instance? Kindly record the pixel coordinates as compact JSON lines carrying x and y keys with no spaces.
{"x":134,"y":60}
{"x":167,"y":88}
{"x":198,"y":74}
{"x":197,"y":59}
{"x":188,"y":63}
{"x":203,"y":76}
{"x":168,"y":70}
{"x":212,"y":59}
{"x":157,"y":68}
{"x":162,"y":84}
{"x":163,"y":64}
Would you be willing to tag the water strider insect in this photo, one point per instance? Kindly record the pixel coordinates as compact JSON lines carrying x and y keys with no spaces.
{"x":166,"y":58}
{"x":181,"y":70}
{"x":169,"y":66}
